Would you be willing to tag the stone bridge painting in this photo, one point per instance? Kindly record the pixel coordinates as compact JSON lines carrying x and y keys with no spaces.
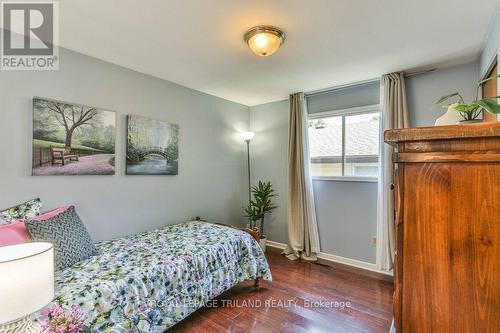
{"x":72,"y":139}
{"x":152,"y":147}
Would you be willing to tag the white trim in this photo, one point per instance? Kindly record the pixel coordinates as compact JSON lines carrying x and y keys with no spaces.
{"x":348,"y":111}
{"x":374,"y":108}
{"x":338,"y":259}
{"x":345,"y":179}
{"x":351,"y":262}
{"x":276,"y":245}
{"x":495,"y":60}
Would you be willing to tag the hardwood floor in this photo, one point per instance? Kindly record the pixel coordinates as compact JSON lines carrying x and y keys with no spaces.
{"x":303,"y":297}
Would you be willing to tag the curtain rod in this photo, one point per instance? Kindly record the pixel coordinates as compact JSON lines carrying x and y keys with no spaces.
{"x":425,"y":71}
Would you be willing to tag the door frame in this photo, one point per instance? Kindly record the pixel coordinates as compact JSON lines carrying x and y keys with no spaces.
{"x":494,"y":61}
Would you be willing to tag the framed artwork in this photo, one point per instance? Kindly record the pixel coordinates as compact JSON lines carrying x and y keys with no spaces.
{"x":152,"y":147}
{"x":72,"y":139}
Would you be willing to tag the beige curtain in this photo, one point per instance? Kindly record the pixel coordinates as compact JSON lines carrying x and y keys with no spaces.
{"x":394,"y":115}
{"x":303,"y":238}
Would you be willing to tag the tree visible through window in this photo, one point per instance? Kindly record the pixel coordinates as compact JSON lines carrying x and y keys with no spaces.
{"x":345,"y":145}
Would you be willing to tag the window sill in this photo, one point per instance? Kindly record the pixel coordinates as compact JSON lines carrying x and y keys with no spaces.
{"x":347,"y":179}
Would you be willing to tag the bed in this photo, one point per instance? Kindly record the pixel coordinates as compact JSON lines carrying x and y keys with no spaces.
{"x":150,"y":281}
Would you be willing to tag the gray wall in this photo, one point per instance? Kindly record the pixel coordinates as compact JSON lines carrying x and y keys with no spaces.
{"x":211,"y":180}
{"x":346,"y":211}
{"x":269,"y":151}
{"x":424,"y":89}
{"x":212,"y":158}
{"x":347,"y":218}
{"x":492,"y":45}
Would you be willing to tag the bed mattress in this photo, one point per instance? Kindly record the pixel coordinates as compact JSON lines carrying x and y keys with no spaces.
{"x":150,"y":281}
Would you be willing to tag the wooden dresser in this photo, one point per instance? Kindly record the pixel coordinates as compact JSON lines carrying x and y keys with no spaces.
{"x":447,"y":199}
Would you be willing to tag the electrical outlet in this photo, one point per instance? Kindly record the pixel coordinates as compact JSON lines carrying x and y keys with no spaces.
{"x":374,"y":241}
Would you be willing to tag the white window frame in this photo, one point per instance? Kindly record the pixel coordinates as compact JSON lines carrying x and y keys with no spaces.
{"x":347,"y":112}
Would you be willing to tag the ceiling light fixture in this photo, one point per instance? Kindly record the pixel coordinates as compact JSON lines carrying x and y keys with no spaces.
{"x":264,"y":40}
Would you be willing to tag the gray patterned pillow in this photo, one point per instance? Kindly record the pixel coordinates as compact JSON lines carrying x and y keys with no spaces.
{"x":25,"y":210}
{"x":72,"y":242}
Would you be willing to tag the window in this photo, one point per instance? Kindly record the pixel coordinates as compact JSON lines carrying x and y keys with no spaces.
{"x":345,"y":143}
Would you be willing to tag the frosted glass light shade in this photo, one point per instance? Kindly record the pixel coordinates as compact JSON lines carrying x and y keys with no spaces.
{"x":264,"y":40}
{"x":26,"y":279}
{"x":247,"y":136}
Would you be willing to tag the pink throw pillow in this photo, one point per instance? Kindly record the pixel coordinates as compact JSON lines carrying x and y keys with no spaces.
{"x":49,"y":214}
{"x":14,"y":233}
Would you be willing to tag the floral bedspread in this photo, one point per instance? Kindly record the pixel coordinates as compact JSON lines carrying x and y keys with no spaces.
{"x":150,"y":281}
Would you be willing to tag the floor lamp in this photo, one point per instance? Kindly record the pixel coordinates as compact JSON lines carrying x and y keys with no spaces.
{"x":247,"y":137}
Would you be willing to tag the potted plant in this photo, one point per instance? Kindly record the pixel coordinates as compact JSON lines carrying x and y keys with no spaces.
{"x":259,"y":206}
{"x":471,"y":111}
{"x":253,"y":215}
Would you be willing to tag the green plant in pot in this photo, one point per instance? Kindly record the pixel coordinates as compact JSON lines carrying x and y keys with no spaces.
{"x":471,"y":111}
{"x":260,"y":205}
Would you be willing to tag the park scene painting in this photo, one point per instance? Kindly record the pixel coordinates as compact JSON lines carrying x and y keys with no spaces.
{"x":72,"y":139}
{"x":152,"y":147}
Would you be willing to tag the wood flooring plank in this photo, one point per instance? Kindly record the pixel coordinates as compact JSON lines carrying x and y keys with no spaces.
{"x":287,"y":303}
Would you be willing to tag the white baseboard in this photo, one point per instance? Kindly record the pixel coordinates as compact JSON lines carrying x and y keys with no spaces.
{"x":276,"y":245}
{"x":338,"y":259}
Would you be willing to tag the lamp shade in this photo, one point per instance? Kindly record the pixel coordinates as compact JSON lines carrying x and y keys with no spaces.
{"x":247,"y":136}
{"x":26,"y":279}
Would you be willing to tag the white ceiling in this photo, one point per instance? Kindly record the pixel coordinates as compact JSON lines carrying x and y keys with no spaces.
{"x":199,"y":43}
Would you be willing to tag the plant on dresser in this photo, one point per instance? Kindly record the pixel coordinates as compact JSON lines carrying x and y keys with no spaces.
{"x":470,"y":111}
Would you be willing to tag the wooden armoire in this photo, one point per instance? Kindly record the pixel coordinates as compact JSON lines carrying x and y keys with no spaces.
{"x":447,"y":201}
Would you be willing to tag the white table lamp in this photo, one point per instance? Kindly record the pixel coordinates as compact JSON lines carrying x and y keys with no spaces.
{"x":26,"y":284}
